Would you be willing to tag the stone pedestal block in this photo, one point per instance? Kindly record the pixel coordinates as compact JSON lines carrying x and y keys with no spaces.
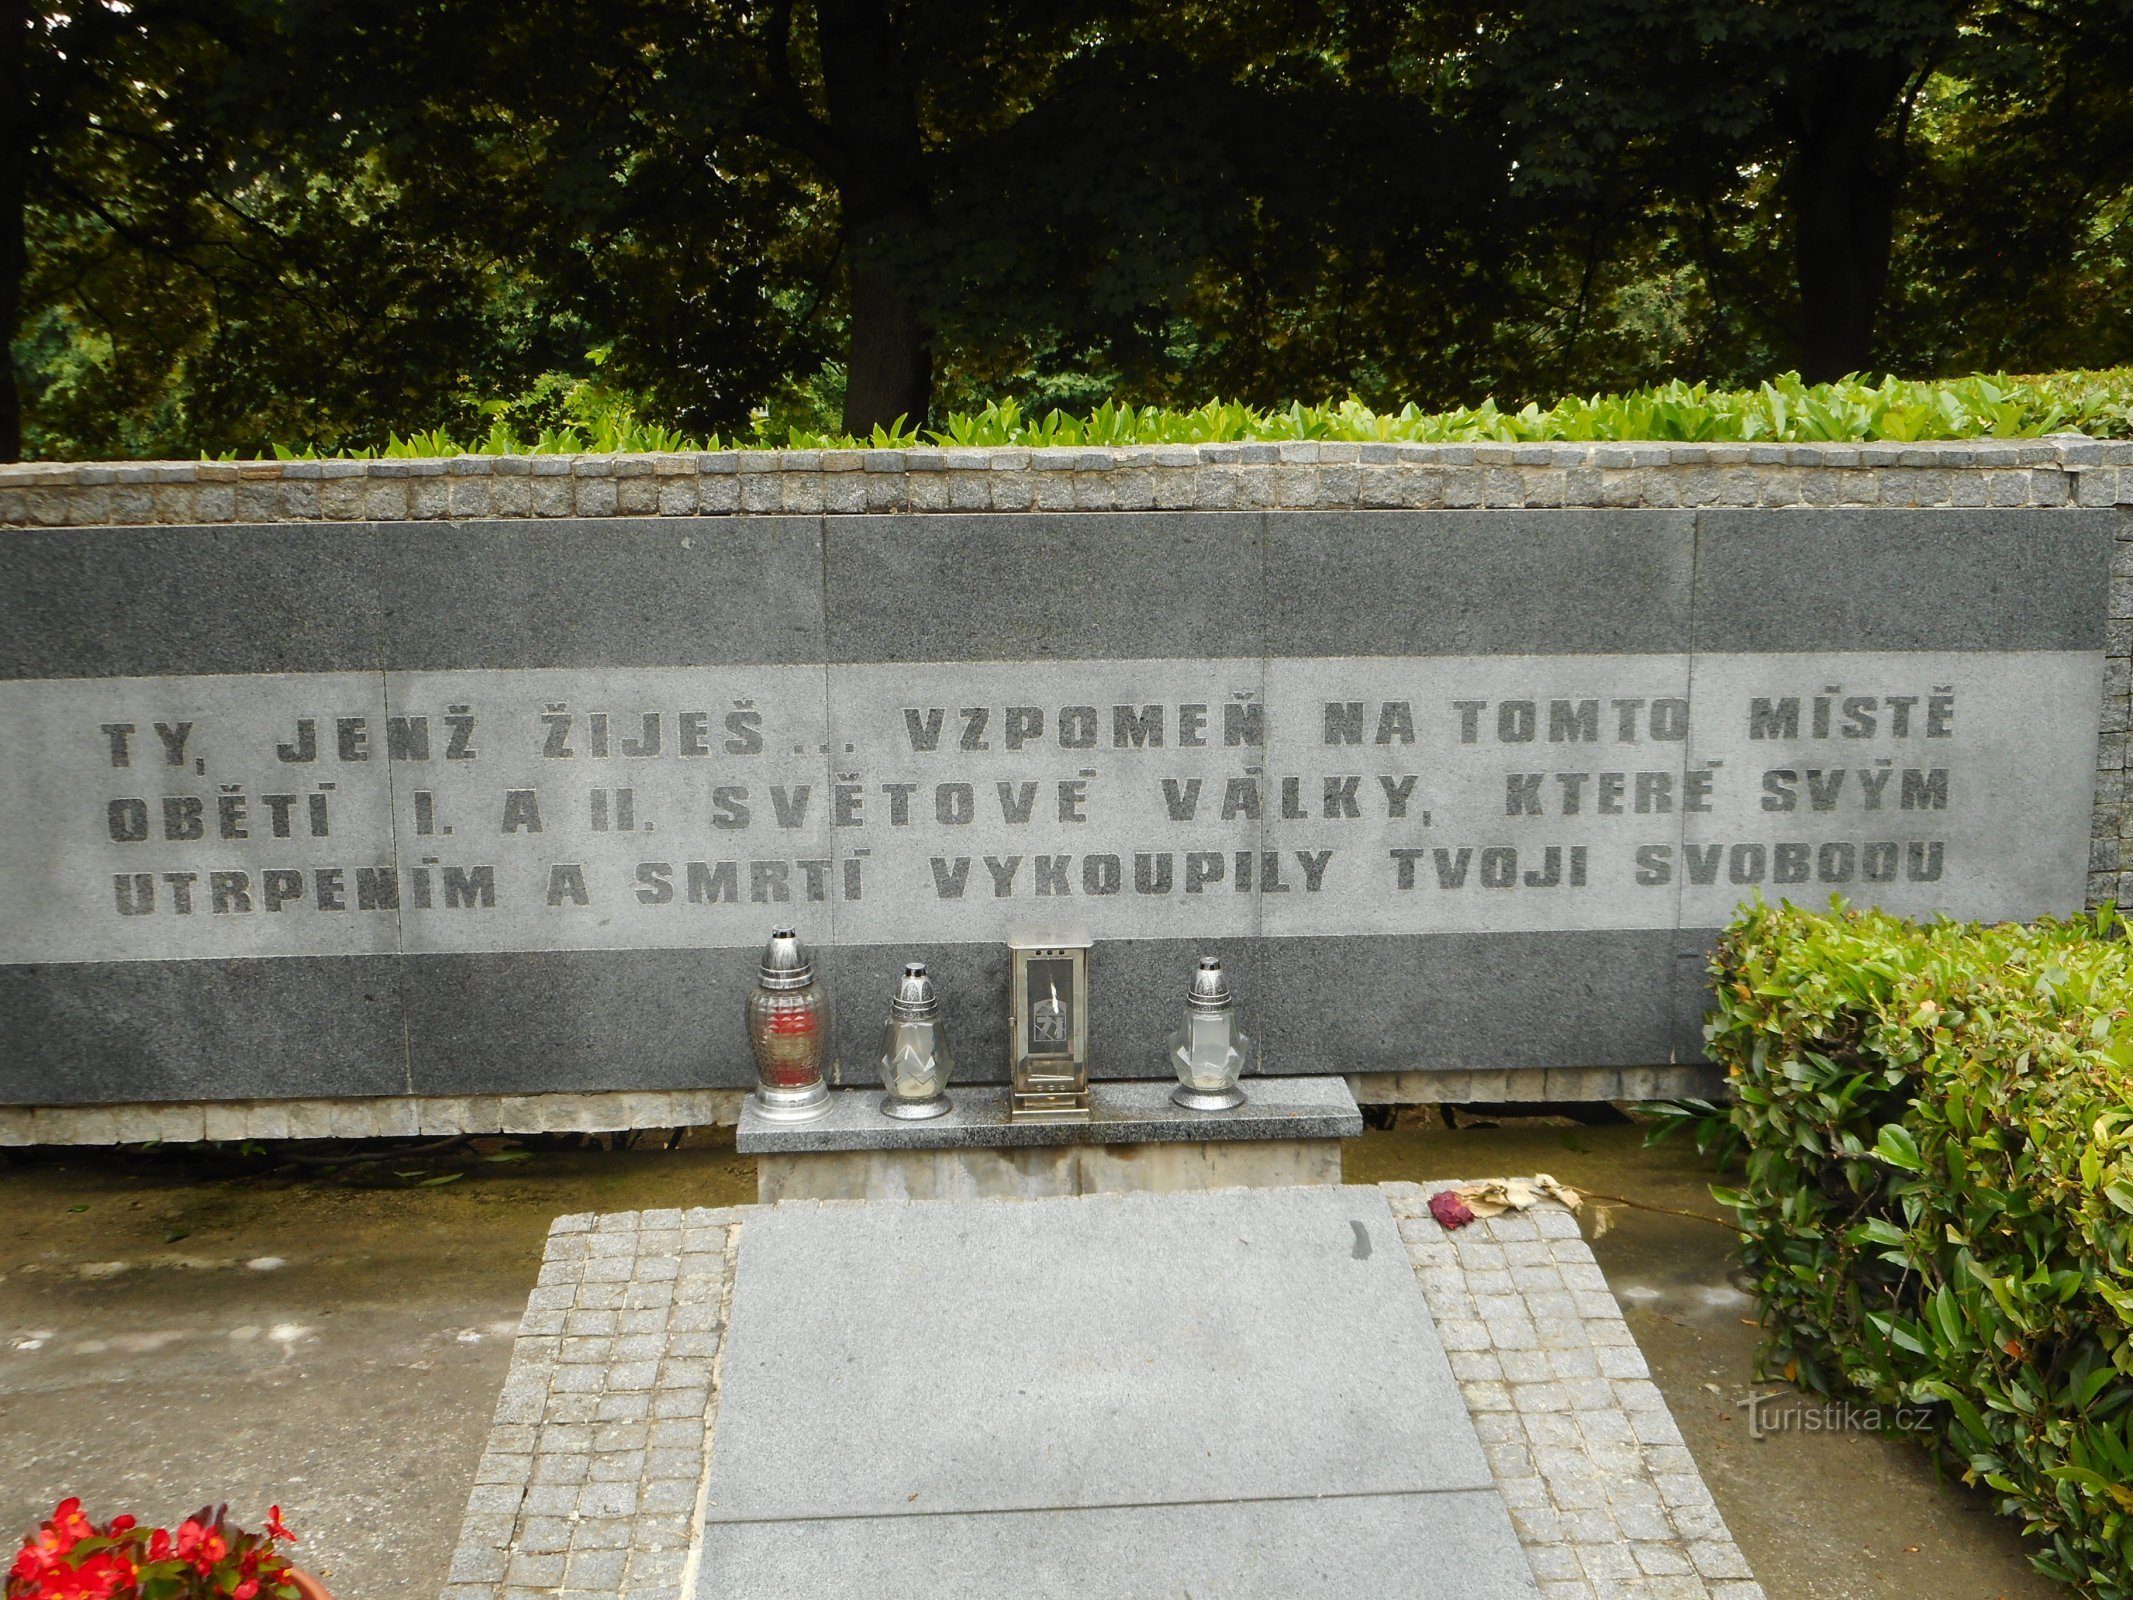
{"x":1287,"y":1132}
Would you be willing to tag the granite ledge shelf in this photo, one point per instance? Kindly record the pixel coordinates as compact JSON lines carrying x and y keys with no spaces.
{"x":1119,"y":1113}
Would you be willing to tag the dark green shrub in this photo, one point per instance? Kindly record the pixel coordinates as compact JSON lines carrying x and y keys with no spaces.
{"x":1938,"y":1130}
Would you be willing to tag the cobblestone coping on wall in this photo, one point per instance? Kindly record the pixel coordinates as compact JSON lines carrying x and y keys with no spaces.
{"x":589,"y":1482}
{"x":2065,"y":469}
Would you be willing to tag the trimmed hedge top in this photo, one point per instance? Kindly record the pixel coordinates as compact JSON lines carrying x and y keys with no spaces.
{"x":1782,"y":411}
{"x":1939,"y":1200}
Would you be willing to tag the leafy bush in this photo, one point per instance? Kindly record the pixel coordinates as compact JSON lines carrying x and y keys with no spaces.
{"x":1783,"y":411}
{"x":1938,"y":1127}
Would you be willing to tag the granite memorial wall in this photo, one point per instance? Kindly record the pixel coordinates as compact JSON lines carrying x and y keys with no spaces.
{"x":488,"y":807}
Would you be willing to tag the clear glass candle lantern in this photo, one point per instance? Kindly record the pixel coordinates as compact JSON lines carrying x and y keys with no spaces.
{"x":1209,"y":1052}
{"x":915,"y":1061}
{"x":788,"y":1025}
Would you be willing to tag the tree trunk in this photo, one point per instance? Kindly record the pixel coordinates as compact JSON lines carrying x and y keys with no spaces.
{"x":873,"y":122}
{"x":15,"y":126}
{"x":889,"y":366}
{"x":1842,"y":183}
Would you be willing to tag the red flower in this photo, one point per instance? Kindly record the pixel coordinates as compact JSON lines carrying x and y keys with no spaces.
{"x":1446,"y":1206}
{"x":34,"y":1559}
{"x":103,"y":1576}
{"x":212,"y":1549}
{"x":71,"y":1558}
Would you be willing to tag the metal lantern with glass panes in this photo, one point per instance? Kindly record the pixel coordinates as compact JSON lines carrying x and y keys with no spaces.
{"x":1048,"y":1033}
{"x":915,"y":1062}
{"x":788,"y":1023}
{"x":1209,"y":1052}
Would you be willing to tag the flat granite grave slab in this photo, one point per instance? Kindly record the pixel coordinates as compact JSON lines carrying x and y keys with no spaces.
{"x":1118,"y":1394}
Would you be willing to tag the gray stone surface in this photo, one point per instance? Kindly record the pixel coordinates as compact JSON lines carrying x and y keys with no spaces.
{"x":1119,"y":1113}
{"x":566,"y":1020}
{"x":1467,"y":1000}
{"x":1902,"y":580}
{"x":1032,"y":588}
{"x":1041,"y":1172}
{"x":1693,"y":948}
{"x":1108,"y":1350}
{"x":1408,"y":583}
{"x":657,"y":593}
{"x":1455,"y":1546}
{"x":136,"y":602}
{"x":637,"y":591}
{"x":208,"y":1030}
{"x":553,"y":1111}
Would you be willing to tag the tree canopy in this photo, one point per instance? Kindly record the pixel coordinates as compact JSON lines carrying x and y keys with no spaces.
{"x":225,"y":223}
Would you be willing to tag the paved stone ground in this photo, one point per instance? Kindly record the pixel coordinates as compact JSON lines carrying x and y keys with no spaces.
{"x":589,"y":1483}
{"x":591,"y":1476}
{"x":1605,"y":1496}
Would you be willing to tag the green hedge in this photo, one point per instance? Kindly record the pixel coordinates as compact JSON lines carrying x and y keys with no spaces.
{"x":1782,"y":411}
{"x":1938,"y":1129}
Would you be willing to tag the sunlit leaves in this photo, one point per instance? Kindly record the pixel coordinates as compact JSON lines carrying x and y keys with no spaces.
{"x":1979,"y":1261}
{"x":1784,"y":411}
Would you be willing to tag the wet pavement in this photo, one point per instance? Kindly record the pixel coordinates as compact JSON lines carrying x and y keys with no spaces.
{"x":171,"y":1334}
{"x":1820,"y":1516}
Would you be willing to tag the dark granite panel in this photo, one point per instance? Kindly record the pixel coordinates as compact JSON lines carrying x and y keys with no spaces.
{"x":1137,"y":993}
{"x":1389,"y":583}
{"x":578,"y":1021}
{"x":292,"y":1027}
{"x":1692,"y":991}
{"x":1481,"y":1001}
{"x":670,"y":591}
{"x":144,"y":602}
{"x":1902,"y":580}
{"x":1036,"y":587}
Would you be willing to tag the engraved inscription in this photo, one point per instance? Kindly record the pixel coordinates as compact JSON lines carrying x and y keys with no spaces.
{"x":216,"y":817}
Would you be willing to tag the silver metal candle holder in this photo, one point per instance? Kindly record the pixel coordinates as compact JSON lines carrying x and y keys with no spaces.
{"x":788,"y":1028}
{"x":915,"y":1060}
{"x":1209,"y":1052}
{"x":1048,"y":1029}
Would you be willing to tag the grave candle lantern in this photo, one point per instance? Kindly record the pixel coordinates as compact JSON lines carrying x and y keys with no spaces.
{"x":788,"y":1024}
{"x":1209,"y":1051}
{"x":1048,"y":1033}
{"x":915,"y":1060}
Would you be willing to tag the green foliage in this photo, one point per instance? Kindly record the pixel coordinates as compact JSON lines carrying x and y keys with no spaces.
{"x":1938,"y":1202}
{"x":300,"y":220}
{"x":602,"y":420}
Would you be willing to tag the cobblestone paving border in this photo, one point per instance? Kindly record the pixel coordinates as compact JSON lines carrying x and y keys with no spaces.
{"x":1605,"y":1496}
{"x":588,"y":1488}
{"x":589,"y":1483}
